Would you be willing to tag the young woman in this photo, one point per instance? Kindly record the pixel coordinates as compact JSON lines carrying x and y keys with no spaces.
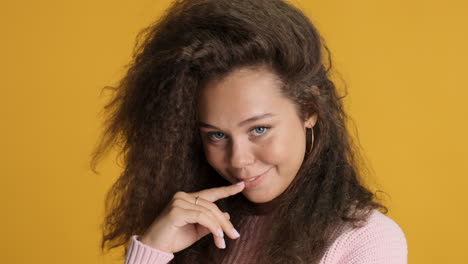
{"x":230,"y":126}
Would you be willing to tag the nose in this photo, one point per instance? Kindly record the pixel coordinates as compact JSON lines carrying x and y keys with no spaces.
{"x":241,"y":155}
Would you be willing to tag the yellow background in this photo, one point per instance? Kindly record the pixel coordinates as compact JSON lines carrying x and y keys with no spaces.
{"x":404,"y":63}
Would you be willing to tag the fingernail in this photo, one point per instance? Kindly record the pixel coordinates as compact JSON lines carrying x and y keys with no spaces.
{"x":223,"y":243}
{"x":220,"y":233}
{"x":235,"y":232}
{"x":239,"y":183}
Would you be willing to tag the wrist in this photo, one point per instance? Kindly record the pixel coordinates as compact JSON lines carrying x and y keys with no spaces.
{"x":154,"y":244}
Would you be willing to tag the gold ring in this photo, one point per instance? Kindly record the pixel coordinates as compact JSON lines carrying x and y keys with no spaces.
{"x":196,"y":200}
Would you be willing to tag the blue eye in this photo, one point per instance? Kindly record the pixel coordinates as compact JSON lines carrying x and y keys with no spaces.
{"x":260,"y":130}
{"x":216,"y":136}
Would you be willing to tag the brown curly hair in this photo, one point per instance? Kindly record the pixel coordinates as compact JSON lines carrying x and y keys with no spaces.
{"x":152,"y":118}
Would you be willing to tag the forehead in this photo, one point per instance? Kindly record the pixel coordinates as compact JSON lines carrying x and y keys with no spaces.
{"x":240,"y":95}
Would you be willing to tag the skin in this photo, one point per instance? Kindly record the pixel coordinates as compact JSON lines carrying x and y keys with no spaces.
{"x":183,"y":222}
{"x":238,"y":149}
{"x":274,"y":141}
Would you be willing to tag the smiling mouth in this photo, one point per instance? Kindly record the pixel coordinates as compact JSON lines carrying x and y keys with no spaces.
{"x":254,"y":178}
{"x":251,"y":179}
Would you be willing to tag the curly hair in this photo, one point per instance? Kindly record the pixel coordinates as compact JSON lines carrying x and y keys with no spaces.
{"x":152,"y":117}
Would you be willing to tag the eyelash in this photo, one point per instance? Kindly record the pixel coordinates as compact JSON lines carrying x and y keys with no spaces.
{"x":210,"y":134}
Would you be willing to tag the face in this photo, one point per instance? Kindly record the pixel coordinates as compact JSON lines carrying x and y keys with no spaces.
{"x":249,"y":129}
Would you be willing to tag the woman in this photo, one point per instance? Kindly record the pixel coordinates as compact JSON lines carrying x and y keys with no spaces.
{"x":230,"y":126}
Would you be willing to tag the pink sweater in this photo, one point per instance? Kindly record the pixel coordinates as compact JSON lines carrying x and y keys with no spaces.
{"x":379,"y":241}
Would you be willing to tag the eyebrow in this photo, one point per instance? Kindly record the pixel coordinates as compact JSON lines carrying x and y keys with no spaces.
{"x":250,"y":120}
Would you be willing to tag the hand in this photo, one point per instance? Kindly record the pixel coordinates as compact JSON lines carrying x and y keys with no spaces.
{"x":182,"y":222}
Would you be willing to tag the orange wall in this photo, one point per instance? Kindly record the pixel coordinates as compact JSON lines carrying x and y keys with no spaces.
{"x":403,"y":61}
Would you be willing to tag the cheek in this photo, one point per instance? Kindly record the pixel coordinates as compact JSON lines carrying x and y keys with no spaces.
{"x":273,"y":150}
{"x":214,"y":156}
{"x":285,"y":150}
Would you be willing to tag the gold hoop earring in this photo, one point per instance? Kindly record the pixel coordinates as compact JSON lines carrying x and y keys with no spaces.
{"x":311,"y":139}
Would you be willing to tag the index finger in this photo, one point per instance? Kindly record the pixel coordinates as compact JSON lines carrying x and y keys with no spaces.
{"x":217,"y":193}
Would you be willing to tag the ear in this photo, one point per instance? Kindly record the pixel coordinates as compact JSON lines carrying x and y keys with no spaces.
{"x":315,"y":90}
{"x":311,"y":121}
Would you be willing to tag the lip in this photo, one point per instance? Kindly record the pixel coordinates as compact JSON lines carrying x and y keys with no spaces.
{"x":244,"y":179}
{"x":256,"y":182}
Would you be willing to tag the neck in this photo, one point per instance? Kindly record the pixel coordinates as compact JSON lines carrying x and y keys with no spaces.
{"x":267,"y":207}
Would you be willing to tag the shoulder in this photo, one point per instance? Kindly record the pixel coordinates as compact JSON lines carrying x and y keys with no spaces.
{"x":378,"y":240}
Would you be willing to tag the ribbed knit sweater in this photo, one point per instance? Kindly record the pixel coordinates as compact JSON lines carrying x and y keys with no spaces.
{"x":379,"y":241}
